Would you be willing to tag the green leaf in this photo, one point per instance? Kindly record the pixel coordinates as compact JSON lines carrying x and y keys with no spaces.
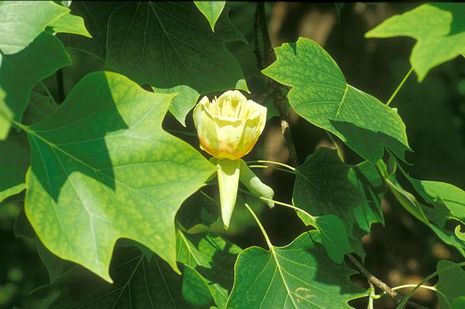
{"x":183,"y":102}
{"x":139,"y":283}
{"x":321,"y":95}
{"x":195,"y":289}
{"x":20,"y":72}
{"x":213,"y":258}
{"x":211,"y":10}
{"x":14,"y":161}
{"x":296,"y":276}
{"x":40,"y":107}
{"x":366,"y":177}
{"x":5,"y":115}
{"x":103,"y":165}
{"x":443,"y":193}
{"x":333,"y":237}
{"x":438,"y":28}
{"x":171,"y":44}
{"x":322,"y":187}
{"x":450,"y":284}
{"x":70,"y":24}
{"x":23,"y":21}
{"x":434,"y":217}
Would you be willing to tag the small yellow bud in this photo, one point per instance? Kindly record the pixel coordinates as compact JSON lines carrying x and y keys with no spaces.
{"x":228,"y":128}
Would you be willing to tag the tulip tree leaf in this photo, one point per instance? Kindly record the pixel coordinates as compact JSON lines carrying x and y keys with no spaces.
{"x":450,"y":283}
{"x":20,"y":72}
{"x":139,"y":283}
{"x":69,"y":23}
{"x":14,"y":161}
{"x":443,"y":193}
{"x":40,"y":107}
{"x":183,"y":102}
{"x":213,"y":258}
{"x":5,"y":115}
{"x":299,"y":275}
{"x":23,"y":21}
{"x":434,"y":217}
{"x":171,"y":44}
{"x":439,"y":29}
{"x":195,"y":289}
{"x":321,"y":95}
{"x":366,"y":177}
{"x":211,"y":10}
{"x":103,"y":169}
{"x":322,"y":187}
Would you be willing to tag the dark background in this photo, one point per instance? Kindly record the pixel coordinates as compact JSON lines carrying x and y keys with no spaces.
{"x":402,"y":252}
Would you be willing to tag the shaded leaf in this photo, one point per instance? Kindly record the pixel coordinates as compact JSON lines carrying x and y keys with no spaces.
{"x":321,"y":95}
{"x":171,"y":44}
{"x":296,"y":276}
{"x":103,"y":169}
{"x":23,"y":21}
{"x":138,"y":284}
{"x":40,"y":107}
{"x":195,"y":289}
{"x":438,"y":28}
{"x":213,"y":258}
{"x":20,"y":72}
{"x":14,"y":161}
{"x":450,"y":284}
{"x":211,"y":10}
{"x":322,"y":187}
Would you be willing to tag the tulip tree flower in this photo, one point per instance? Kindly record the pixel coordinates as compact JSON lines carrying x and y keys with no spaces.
{"x":228,"y":128}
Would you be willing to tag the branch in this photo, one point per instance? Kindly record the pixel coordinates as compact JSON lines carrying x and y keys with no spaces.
{"x":269,"y":57}
{"x":380,"y":284}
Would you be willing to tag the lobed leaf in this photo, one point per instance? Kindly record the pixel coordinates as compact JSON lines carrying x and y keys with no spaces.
{"x":438,"y":28}
{"x":211,"y":10}
{"x":103,"y":169}
{"x":321,"y":95}
{"x":296,"y":276}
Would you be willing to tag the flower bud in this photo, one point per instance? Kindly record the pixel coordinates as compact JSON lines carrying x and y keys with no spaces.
{"x":228,"y":129}
{"x":229,"y":126}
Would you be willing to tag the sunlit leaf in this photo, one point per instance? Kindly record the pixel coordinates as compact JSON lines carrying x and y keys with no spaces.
{"x":321,"y":95}
{"x":296,"y":276}
{"x":211,"y":10}
{"x":23,"y":21}
{"x":438,"y":28}
{"x":103,"y":169}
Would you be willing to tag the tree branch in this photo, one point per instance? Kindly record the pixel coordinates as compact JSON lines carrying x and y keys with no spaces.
{"x":380,"y":284}
{"x":269,"y":57}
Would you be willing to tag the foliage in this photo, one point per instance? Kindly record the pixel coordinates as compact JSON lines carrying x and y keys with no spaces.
{"x":111,"y":196}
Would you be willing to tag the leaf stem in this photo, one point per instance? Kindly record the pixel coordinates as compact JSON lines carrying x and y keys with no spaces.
{"x":273,"y":167}
{"x":275,"y":163}
{"x":399,"y":86}
{"x":267,"y":239}
{"x":427,"y":278}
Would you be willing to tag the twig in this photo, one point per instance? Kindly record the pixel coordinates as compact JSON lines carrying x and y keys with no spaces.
{"x":380,"y":284}
{"x":265,"y":60}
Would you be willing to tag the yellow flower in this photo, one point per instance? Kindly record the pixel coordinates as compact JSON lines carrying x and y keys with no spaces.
{"x":228,"y":128}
